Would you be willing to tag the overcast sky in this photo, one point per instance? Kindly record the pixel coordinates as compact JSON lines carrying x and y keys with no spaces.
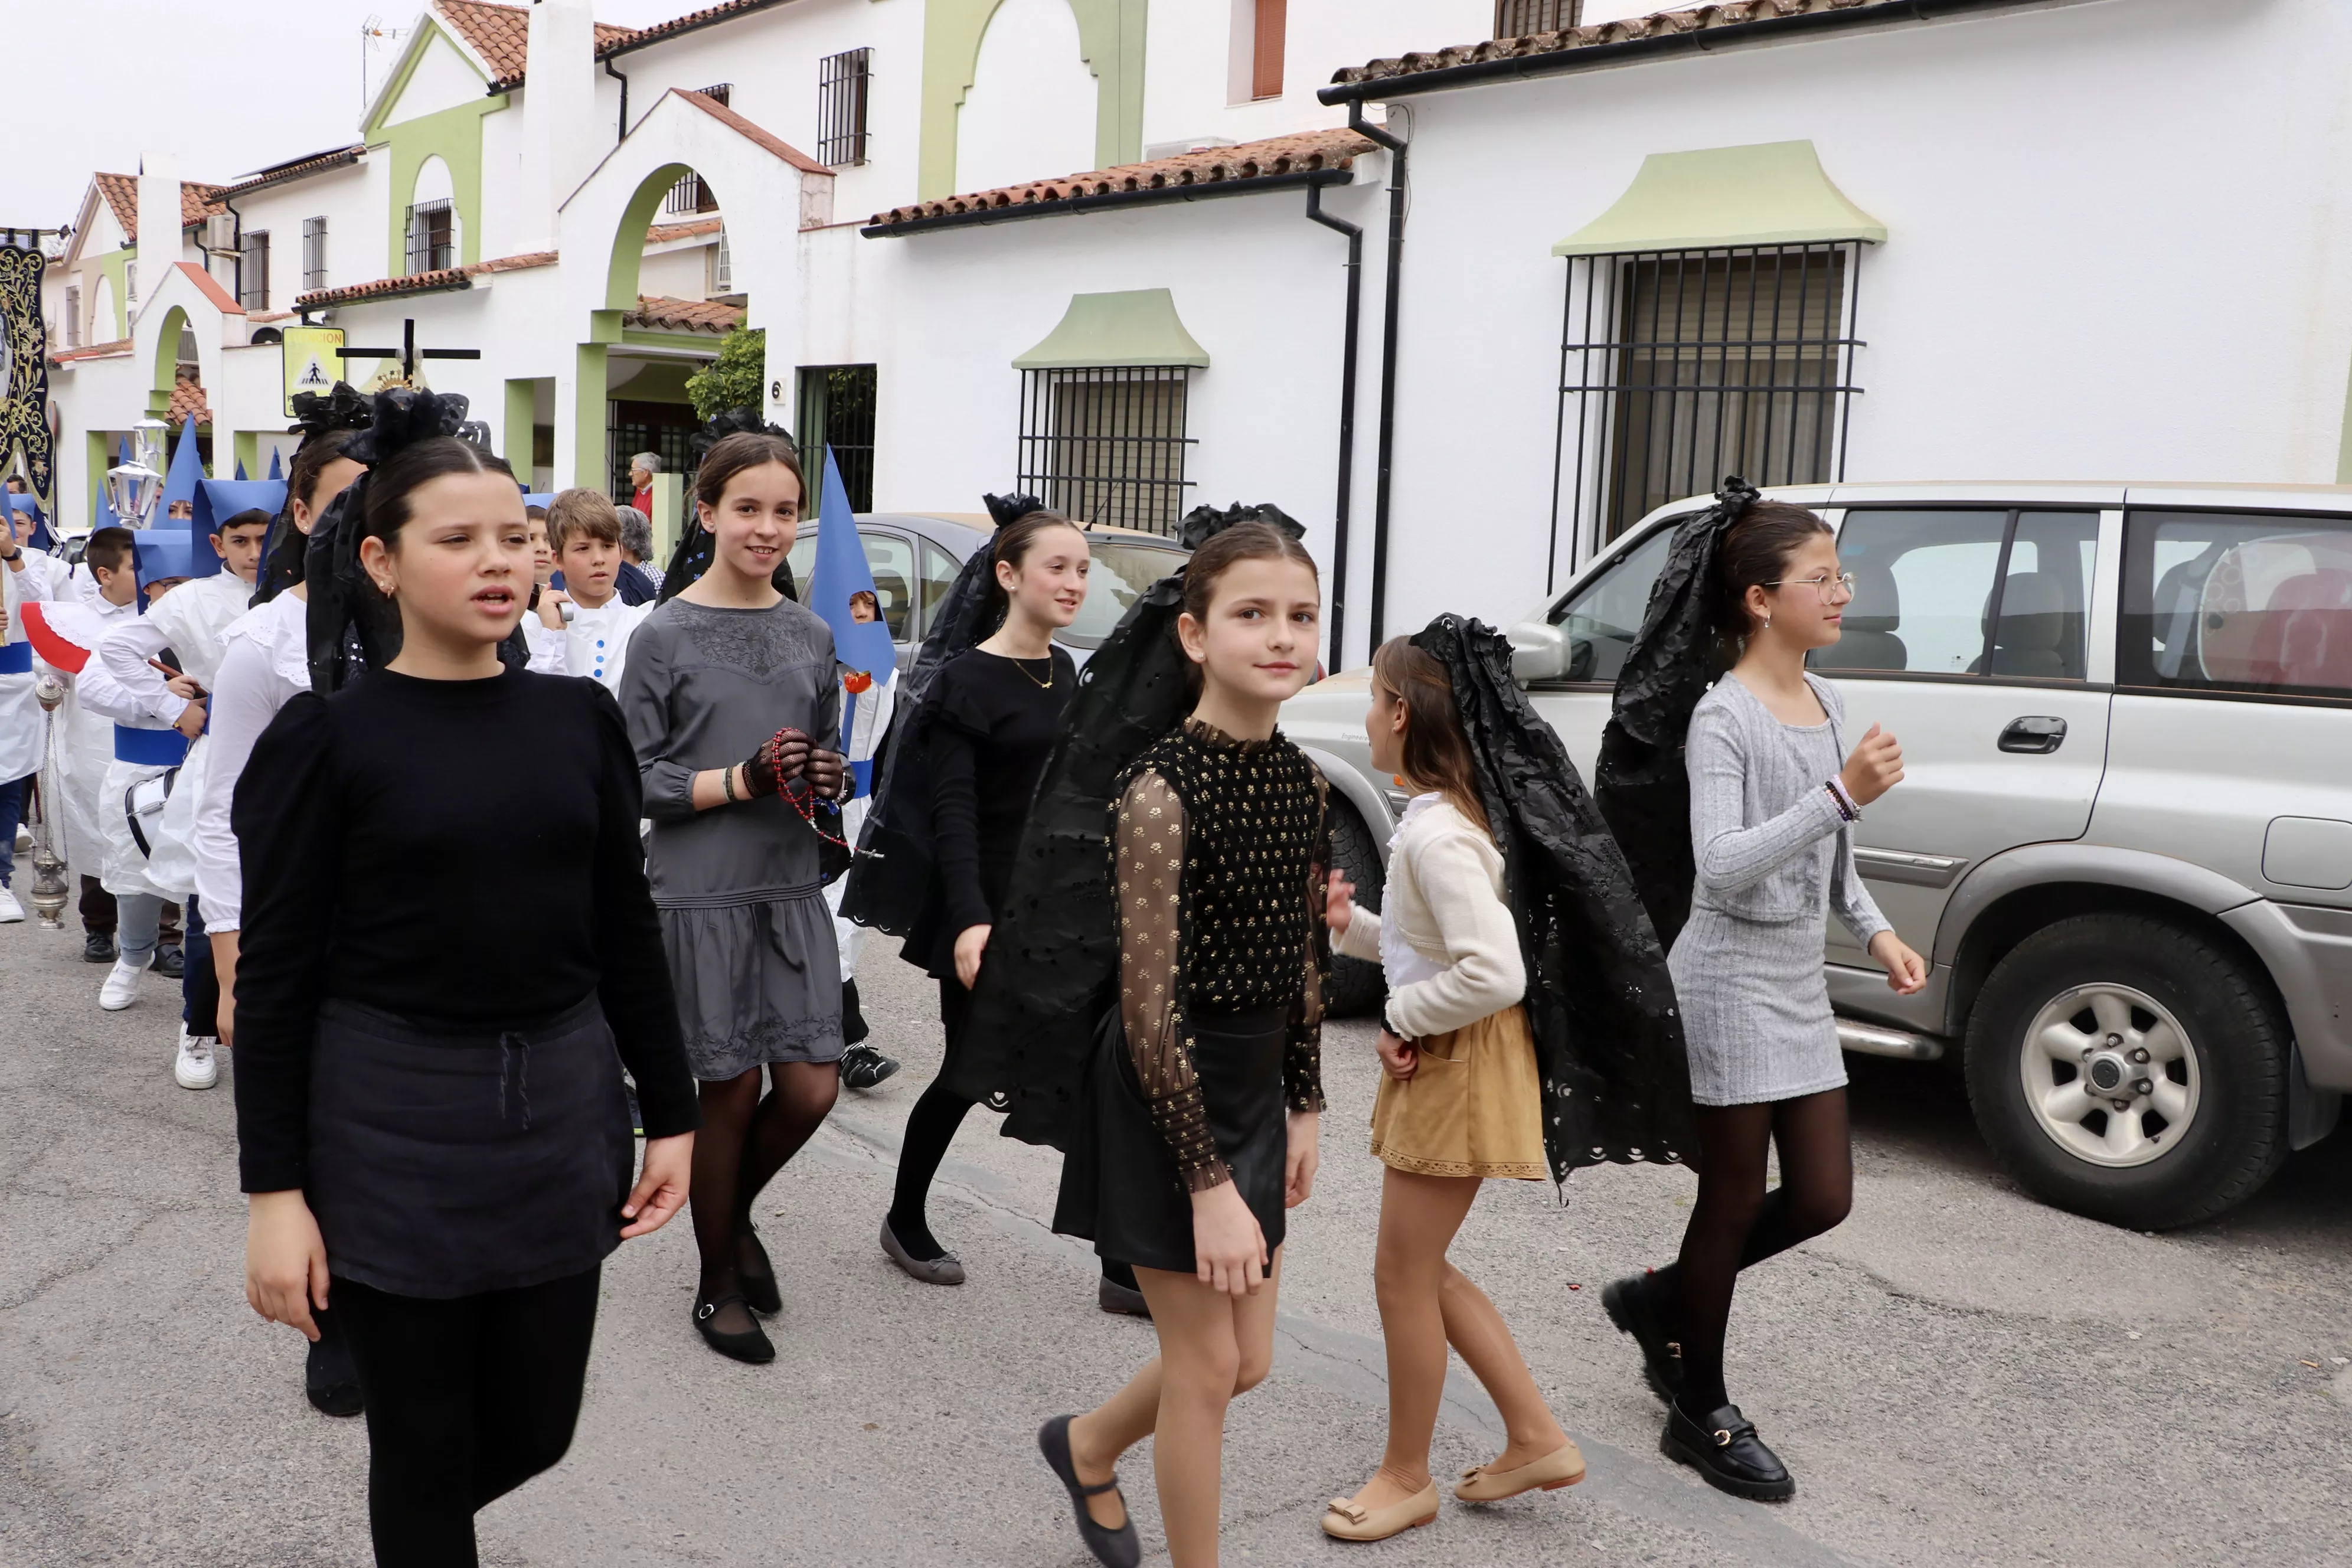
{"x":229,"y":85}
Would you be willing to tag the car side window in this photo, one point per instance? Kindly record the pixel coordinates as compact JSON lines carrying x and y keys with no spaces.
{"x":940,"y":571}
{"x":1965,"y":591}
{"x":889,"y":556}
{"x":1602,"y":618}
{"x":2256,"y":602}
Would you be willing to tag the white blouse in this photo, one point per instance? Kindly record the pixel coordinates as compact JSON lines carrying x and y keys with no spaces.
{"x":1446,"y":943}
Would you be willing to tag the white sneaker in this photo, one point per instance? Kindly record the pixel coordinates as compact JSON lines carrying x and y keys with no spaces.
{"x":23,"y":839}
{"x":196,"y":1068}
{"x":11,"y":911}
{"x":121,"y":987}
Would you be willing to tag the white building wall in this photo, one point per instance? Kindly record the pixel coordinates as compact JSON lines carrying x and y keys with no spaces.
{"x":444,"y":79}
{"x":1031,"y":108}
{"x":2080,"y":280}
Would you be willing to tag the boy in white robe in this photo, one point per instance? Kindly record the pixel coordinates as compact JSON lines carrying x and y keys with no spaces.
{"x":27,"y":577}
{"x":583,"y":535}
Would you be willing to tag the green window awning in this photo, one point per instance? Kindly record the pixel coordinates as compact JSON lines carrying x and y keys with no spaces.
{"x":1771,"y":194}
{"x":1136,"y":326}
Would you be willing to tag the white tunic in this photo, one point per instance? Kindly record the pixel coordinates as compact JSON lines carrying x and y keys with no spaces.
{"x":85,"y":748}
{"x":596,"y":644}
{"x":267,"y":665}
{"x":23,"y":725}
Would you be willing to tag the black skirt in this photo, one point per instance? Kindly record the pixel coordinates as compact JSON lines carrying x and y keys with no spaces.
{"x":1120,"y":1187}
{"x":445,"y":1162}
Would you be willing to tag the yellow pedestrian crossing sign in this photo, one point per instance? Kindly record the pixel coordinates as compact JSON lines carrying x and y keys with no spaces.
{"x":313,"y":361}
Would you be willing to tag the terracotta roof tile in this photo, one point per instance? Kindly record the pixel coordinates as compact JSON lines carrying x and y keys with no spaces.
{"x":501,"y":36}
{"x":663,"y":233}
{"x":92,"y":351}
{"x":1657,"y":23}
{"x":212,"y":289}
{"x":676,"y":24}
{"x":301,"y":168}
{"x":188,"y":398}
{"x":441,"y":278}
{"x":1297,"y":153}
{"x":660,"y":314}
{"x":753,"y":133}
{"x":197,"y":202}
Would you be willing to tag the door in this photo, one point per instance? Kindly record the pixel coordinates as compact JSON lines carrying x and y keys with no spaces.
{"x":1969,"y":637}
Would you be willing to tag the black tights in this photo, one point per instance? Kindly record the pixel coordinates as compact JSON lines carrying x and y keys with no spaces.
{"x":1735,"y":1224}
{"x":466,"y":1399}
{"x":931,"y":1126}
{"x":744,"y":1141}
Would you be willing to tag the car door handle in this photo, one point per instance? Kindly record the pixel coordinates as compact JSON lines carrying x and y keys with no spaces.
{"x":2036,"y":734}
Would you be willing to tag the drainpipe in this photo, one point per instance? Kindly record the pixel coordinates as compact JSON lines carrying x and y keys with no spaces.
{"x":1387,"y":448}
{"x":624,"y":81}
{"x":1315,"y":214}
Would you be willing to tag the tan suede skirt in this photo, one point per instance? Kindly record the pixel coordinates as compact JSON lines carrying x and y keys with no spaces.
{"x":1473,"y":1108}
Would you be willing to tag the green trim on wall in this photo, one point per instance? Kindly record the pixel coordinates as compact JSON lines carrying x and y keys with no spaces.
{"x":167,"y":361}
{"x":662,"y":381}
{"x":628,"y":260}
{"x":245,"y":447}
{"x":99,"y":448}
{"x":1775,"y":192}
{"x":1110,"y":40}
{"x":116,"y":266}
{"x":515,"y":433}
{"x":455,"y":136}
{"x":590,"y":464}
{"x":652,"y":338}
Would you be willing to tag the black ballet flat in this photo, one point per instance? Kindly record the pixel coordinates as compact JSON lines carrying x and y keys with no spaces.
{"x":751,"y":1347}
{"x":1112,"y":1548}
{"x":329,"y":1381}
{"x":759,"y":1292}
{"x":1125,"y":1300}
{"x":1631,"y":1304}
{"x":1726,"y":1451}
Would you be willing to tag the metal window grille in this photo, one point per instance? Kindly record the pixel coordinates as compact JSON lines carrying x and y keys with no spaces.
{"x":841,"y":86}
{"x":432,"y":235}
{"x":835,"y":406}
{"x":253,"y":271}
{"x":1107,"y":444}
{"x":1678,"y":367}
{"x":693,"y":193}
{"x":1521,"y":19}
{"x":314,"y":252}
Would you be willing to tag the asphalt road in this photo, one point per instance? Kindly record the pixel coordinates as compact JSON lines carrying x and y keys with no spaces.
{"x":1956,"y":1376}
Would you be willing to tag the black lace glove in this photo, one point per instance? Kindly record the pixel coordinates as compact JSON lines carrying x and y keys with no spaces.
{"x":777,"y":762}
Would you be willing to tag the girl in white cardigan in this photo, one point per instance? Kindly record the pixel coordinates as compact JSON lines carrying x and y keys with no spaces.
{"x":1461,"y":1103}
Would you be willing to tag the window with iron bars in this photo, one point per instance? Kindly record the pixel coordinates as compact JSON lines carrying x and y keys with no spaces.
{"x":253,"y":271}
{"x":432,"y":238}
{"x":836,"y":408}
{"x":1521,"y":19}
{"x":841,"y":84}
{"x":1679,"y":367}
{"x":314,"y":254}
{"x":693,"y":193}
{"x":1107,"y":444}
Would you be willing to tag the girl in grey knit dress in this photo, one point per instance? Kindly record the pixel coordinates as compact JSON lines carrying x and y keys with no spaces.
{"x":725,"y":684}
{"x":1771,"y":808}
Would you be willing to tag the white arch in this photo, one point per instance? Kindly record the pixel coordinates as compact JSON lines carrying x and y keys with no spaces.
{"x":435,"y":183}
{"x":101,"y":328}
{"x":1029,"y":113}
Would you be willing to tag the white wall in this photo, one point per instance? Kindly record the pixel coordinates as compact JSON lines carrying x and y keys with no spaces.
{"x":1029,"y":113}
{"x":2082,"y":280}
{"x":443,"y":79}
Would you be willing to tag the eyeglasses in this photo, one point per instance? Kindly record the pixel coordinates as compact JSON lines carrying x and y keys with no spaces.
{"x":1823,"y":587}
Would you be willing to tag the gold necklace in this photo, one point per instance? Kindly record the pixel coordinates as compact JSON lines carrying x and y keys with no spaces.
{"x":1022,"y":665}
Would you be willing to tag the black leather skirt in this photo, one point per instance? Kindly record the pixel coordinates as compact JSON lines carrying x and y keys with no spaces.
{"x":1120,"y":1187}
{"x":445,"y":1162}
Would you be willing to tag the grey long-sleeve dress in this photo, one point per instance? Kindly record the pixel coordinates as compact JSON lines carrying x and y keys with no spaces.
{"x":751,"y":943}
{"x":1774,"y":858}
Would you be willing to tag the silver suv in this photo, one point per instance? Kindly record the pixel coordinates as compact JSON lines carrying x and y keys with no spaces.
{"x":2125,"y":834}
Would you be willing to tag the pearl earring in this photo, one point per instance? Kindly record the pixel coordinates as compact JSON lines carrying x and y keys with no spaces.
{"x":1767,"y":623}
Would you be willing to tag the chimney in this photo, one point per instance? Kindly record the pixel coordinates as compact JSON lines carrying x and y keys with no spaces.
{"x":563,"y":133}
{"x":159,"y":222}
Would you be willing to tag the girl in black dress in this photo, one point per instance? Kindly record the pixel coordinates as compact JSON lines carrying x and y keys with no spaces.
{"x":994,"y":710}
{"x":1200,"y":1113}
{"x":436,"y":1141}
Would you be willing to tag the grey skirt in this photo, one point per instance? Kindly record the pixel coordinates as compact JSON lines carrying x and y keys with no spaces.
{"x":1756,"y":1009}
{"x":757,"y":981}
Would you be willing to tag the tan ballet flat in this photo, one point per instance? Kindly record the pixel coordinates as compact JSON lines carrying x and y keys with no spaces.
{"x":1344,"y":1521}
{"x":1563,"y":1466}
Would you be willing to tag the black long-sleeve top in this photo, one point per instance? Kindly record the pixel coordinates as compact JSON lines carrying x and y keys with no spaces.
{"x":993,"y":723}
{"x":456,"y":852}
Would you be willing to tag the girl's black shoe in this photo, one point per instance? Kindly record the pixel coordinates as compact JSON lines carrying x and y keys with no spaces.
{"x":756,"y":1274}
{"x":751,"y":1346}
{"x":863,"y":1066}
{"x":1726,"y":1450}
{"x":1112,"y":1548}
{"x":1632,"y":1305}
{"x":329,"y":1380}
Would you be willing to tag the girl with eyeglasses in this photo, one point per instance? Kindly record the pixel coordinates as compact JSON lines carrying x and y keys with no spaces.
{"x":1773,"y":793}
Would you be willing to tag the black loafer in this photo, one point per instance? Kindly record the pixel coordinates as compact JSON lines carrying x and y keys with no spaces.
{"x":98,"y":948}
{"x":1633,"y":1306}
{"x":170,"y":963}
{"x":1112,"y":1548}
{"x":1725,"y":1449}
{"x":329,"y":1380}
{"x":863,"y":1066}
{"x":1124,"y":1299}
{"x":751,"y":1346}
{"x":759,"y":1281}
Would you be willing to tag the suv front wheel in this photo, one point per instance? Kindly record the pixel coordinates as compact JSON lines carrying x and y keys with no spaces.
{"x":2131,"y":1070}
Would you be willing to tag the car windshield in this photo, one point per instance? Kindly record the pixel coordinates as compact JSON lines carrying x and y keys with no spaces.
{"x":1121,"y":571}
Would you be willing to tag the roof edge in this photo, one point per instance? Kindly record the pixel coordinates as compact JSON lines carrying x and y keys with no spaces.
{"x":1153,"y":196}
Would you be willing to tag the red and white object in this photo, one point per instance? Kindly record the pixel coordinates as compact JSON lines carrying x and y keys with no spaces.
{"x":64,"y":634}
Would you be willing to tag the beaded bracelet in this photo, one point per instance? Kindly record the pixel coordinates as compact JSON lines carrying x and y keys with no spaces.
{"x":727,"y":782}
{"x":1846,"y":807}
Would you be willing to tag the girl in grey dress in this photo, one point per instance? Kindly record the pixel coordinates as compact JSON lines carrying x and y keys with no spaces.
{"x":726,"y":683}
{"x":1771,"y":809}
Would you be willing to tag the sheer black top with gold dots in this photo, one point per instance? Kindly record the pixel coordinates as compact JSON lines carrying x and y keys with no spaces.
{"x":1218,"y":851}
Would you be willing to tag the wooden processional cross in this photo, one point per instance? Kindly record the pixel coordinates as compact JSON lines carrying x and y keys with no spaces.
{"x":408,"y":354}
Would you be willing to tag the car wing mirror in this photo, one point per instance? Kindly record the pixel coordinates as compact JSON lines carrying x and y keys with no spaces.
{"x":1540,"y":652}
